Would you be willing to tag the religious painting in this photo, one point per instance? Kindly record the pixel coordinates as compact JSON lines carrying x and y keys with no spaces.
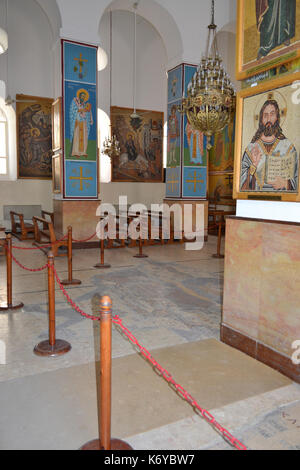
{"x":80,"y":62}
{"x":56,"y":173}
{"x":175,"y":84}
{"x":194,"y":149}
{"x":221,"y":154}
{"x":268,"y":141}
{"x":80,"y":122}
{"x":194,"y":183}
{"x":221,"y":187}
{"x":80,"y":147}
{"x":81,"y":180}
{"x":34,"y":137}
{"x":141,"y":144}
{"x":268,"y":35}
{"x":173,"y":182}
{"x":174,"y":135}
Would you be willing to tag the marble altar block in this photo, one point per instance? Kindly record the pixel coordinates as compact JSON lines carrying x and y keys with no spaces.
{"x":261,"y":303}
{"x":81,"y":215}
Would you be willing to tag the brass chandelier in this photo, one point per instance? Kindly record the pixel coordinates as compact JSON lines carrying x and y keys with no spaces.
{"x":111,"y":147}
{"x":210,"y":99}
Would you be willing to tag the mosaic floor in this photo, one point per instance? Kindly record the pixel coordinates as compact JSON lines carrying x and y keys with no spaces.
{"x":172,"y":298}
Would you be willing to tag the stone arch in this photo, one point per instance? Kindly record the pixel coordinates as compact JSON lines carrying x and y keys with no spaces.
{"x":161,"y":20}
{"x":51,"y":10}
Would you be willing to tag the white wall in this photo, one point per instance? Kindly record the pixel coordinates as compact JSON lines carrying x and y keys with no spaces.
{"x":151,"y":89}
{"x":34,"y":63}
{"x":29,"y":71}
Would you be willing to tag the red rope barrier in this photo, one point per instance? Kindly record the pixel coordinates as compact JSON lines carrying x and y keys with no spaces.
{"x":85,"y":240}
{"x":163,"y":372}
{"x":147,"y":355}
{"x":24,"y":267}
{"x":40,"y":246}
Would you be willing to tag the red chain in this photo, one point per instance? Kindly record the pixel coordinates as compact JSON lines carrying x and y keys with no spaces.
{"x":24,"y":267}
{"x":163,"y":372}
{"x":41,"y":246}
{"x":179,"y":389}
{"x":85,"y":240}
{"x":69,"y":300}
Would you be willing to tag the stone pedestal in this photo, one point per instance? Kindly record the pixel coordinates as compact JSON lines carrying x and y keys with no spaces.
{"x":80,"y":215}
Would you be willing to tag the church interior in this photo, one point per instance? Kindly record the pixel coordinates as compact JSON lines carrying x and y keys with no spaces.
{"x":149,"y":225}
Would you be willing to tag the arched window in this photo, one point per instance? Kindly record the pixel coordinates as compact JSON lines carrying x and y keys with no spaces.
{"x":8,"y":149}
{"x":3,"y":144}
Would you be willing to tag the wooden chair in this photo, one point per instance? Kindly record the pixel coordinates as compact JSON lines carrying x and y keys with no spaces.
{"x":44,"y":228}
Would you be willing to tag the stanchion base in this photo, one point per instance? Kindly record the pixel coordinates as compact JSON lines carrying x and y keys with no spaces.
{"x":140,"y":256}
{"x":14,"y":306}
{"x":102,"y":266}
{"x":46,"y":349}
{"x":218,"y":256}
{"x":115,"y":444}
{"x":74,"y":282}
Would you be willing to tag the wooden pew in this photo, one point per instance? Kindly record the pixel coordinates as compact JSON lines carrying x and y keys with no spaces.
{"x":47,"y":232}
{"x":24,"y":230}
{"x":19,"y":228}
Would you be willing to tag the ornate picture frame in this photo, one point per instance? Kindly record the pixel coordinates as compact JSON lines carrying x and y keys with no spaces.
{"x":57,"y":125}
{"x":267,"y":146}
{"x":34,"y":137}
{"x":56,"y":174}
{"x":259,"y":47}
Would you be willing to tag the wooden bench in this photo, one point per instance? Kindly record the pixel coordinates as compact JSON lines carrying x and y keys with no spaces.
{"x":22,"y":229}
{"x":147,"y":216}
{"x":44,"y":229}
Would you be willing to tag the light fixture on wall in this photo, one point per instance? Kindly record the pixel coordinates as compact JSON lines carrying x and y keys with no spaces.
{"x":3,"y":41}
{"x":102,"y":59}
{"x":111,"y":146}
{"x":210,"y":99}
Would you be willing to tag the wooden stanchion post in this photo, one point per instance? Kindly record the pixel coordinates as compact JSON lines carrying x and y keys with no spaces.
{"x":52,"y":347}
{"x":9,"y":304}
{"x":140,"y":253}
{"x":102,"y":264}
{"x":218,"y":254}
{"x":105,"y":442}
{"x":70,"y":281}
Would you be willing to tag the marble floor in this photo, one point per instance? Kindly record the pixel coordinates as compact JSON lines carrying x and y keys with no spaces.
{"x":171,"y":302}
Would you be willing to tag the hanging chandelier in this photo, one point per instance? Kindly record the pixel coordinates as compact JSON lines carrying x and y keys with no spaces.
{"x":111,"y":146}
{"x":210,"y":99}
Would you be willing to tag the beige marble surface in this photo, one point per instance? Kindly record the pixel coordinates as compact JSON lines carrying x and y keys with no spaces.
{"x":262,"y":282}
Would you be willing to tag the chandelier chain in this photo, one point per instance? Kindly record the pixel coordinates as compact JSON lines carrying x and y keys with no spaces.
{"x":210,"y":99}
{"x":212,"y":12}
